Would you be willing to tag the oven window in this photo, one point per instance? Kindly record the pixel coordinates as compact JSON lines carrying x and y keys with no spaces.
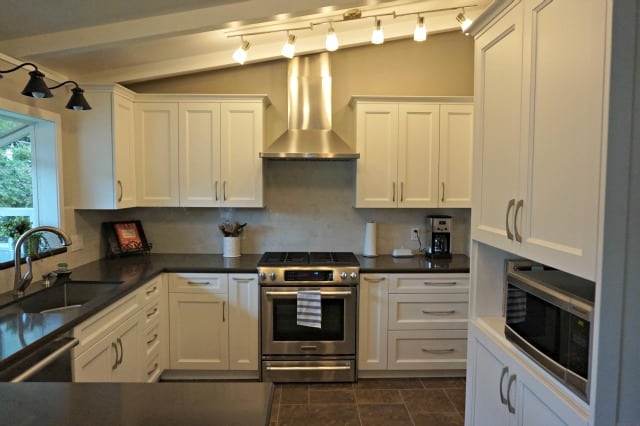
{"x":535,"y":320}
{"x":285,"y":327}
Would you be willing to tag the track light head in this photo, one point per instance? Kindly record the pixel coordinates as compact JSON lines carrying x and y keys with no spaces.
{"x":332,"y":40}
{"x":240,"y":55}
{"x":420,"y":33}
{"x":377,"y":36}
{"x":289,"y":48}
{"x":464,"y":22}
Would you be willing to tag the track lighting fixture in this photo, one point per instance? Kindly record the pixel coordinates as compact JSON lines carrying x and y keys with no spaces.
{"x":240,"y":55}
{"x":331,"y":42}
{"x":77,"y":101}
{"x":377,"y":35}
{"x":289,"y":48}
{"x":332,"y":39}
{"x":37,"y":88}
{"x":464,"y":21}
{"x":420,"y":33}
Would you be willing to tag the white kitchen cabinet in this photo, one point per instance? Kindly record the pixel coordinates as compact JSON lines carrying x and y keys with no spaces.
{"x":407,"y":159}
{"x":455,"y":155}
{"x":539,"y":137}
{"x":243,"y":322}
{"x":219,"y":150}
{"x":157,"y":172}
{"x":504,"y":389}
{"x":114,"y":358}
{"x":372,"y":321}
{"x":104,"y":166}
{"x":214,"y":322}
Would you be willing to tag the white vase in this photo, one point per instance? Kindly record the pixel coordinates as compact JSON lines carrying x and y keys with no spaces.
{"x":231,"y":246}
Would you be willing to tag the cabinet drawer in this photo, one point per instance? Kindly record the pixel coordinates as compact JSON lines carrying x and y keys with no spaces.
{"x":96,"y":327}
{"x":428,"y":311}
{"x":152,"y":340}
{"x":152,"y":368}
{"x":430,"y":350}
{"x":151,"y":314}
{"x":198,"y":283}
{"x":429,"y":283}
{"x":151,"y":291}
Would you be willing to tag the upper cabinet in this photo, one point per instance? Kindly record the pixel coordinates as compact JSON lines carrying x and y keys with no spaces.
{"x":414,"y":152}
{"x":105,"y":151}
{"x":170,"y":150}
{"x":539,"y":137}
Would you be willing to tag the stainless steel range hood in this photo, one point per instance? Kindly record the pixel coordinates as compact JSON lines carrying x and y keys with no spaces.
{"x":309,"y":136}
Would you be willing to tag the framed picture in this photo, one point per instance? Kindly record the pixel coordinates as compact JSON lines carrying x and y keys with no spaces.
{"x":125,"y":238}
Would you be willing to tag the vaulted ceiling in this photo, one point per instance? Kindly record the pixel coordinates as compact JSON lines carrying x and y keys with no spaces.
{"x":134,"y":40}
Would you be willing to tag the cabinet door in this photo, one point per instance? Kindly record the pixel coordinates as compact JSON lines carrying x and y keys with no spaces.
{"x":96,"y":364}
{"x":200,"y":184}
{"x":564,"y":82}
{"x":243,"y":322}
{"x":418,"y":152}
{"x":487,"y":383}
{"x":372,"y":322}
{"x":198,"y":331}
{"x":124,"y":164}
{"x":157,"y":154}
{"x":127,"y":339}
{"x":456,"y":148}
{"x":377,"y":167}
{"x":241,"y":165}
{"x":498,"y":85}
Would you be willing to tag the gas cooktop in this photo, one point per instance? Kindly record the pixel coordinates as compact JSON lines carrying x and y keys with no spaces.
{"x":300,"y":258}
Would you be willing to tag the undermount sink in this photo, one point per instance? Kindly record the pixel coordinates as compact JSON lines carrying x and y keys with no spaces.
{"x":62,"y":298}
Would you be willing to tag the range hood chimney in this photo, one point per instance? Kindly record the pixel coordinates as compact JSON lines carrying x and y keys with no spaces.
{"x":309,"y":136}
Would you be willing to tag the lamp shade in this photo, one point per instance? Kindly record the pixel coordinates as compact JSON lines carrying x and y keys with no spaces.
{"x":77,"y":101}
{"x":36,"y":87}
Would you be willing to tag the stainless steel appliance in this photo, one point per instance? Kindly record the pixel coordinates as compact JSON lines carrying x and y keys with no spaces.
{"x":438,"y":236}
{"x":295,"y":353}
{"x":548,"y":316}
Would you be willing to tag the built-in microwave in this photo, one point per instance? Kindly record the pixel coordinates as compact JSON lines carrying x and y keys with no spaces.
{"x":548,"y":316}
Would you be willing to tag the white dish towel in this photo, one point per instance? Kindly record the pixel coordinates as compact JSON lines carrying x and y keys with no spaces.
{"x":309,"y":308}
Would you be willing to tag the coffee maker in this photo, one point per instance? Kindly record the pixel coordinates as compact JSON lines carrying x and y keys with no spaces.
{"x":438,"y":237}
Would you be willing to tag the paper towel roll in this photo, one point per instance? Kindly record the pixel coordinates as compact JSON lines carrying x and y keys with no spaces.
{"x":370,"y":240}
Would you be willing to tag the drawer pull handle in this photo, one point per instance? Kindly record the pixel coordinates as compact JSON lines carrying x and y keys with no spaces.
{"x":449,"y":312}
{"x":438,"y":284}
{"x":438,"y":351}
{"x":152,"y":313}
{"x":242,"y":280}
{"x":199,"y":283}
{"x":152,"y":290}
{"x":153,"y":370}
{"x":374,"y":280}
{"x":153,"y":339}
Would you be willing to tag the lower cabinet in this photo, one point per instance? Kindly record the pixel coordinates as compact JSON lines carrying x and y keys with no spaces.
{"x":213,"y":321}
{"x":413,"y":322}
{"x":501,"y":390}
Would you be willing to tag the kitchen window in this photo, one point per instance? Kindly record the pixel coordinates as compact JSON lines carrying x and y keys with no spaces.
{"x":29,"y":172}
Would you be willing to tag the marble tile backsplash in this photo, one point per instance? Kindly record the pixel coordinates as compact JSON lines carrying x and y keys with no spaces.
{"x":308,"y":207}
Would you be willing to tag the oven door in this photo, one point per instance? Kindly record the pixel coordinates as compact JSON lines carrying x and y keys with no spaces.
{"x":281,"y":335}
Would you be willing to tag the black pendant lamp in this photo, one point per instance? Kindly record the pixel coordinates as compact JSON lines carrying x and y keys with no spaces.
{"x":36,"y":87}
{"x":77,"y":101}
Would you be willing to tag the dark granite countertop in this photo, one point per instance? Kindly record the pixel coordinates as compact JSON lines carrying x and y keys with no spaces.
{"x":459,"y":263}
{"x":129,"y":404}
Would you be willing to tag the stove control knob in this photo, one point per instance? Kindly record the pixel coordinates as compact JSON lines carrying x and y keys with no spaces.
{"x":353,"y":275}
{"x":343,"y":275}
{"x":262,"y":276}
{"x":272,"y":276}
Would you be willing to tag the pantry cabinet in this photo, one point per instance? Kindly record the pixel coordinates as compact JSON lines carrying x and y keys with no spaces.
{"x":414,"y":152}
{"x":539,"y":133}
{"x":373,"y":308}
{"x":104,"y":166}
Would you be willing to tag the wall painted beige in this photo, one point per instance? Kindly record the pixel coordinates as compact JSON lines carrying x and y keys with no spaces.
{"x":441,"y":66}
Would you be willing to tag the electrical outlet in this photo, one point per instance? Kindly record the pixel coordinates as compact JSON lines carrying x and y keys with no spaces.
{"x":415,"y":233}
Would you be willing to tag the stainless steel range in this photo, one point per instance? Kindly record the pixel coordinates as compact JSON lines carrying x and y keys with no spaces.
{"x":297,"y":353}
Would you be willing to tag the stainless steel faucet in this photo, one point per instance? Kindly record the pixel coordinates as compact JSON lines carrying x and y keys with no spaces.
{"x":20,"y":283}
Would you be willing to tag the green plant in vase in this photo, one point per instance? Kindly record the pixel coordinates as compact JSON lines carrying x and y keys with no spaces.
{"x":12,"y":227}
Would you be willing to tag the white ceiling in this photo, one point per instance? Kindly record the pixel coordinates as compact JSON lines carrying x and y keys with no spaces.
{"x":134,"y":40}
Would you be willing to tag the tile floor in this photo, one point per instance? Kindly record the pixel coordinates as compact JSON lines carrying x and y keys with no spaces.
{"x":388,"y":402}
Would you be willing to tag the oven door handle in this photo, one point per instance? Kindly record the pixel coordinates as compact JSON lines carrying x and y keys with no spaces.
{"x":70,"y":342}
{"x":311,"y":368}
{"x":322,"y":293}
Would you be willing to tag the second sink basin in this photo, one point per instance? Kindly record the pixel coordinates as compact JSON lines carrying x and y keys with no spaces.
{"x":64,"y":297}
